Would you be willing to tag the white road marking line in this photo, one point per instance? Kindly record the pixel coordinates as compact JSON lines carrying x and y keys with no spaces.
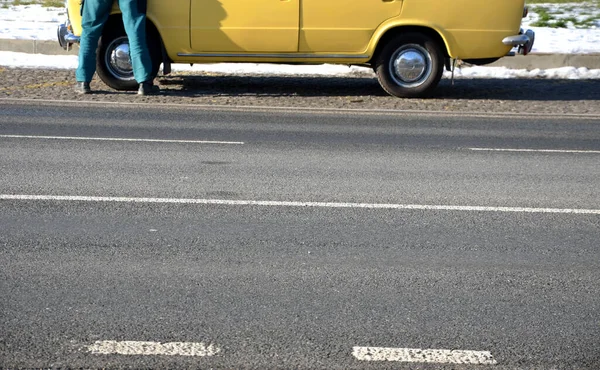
{"x":231,"y":202}
{"x":536,"y":150}
{"x":440,"y":356}
{"x":113,"y":347}
{"x":120,"y":139}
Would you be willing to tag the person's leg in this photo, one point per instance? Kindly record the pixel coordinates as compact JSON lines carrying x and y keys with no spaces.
{"x":94,"y":16}
{"x":134,"y":20}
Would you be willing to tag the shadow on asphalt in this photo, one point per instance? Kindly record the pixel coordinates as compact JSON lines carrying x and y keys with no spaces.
{"x":472,"y":89}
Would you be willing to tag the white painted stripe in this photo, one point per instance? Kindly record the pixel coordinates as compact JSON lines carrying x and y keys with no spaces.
{"x":120,"y":139}
{"x":440,"y":356}
{"x":273,"y":203}
{"x":112,"y":347}
{"x":536,"y":150}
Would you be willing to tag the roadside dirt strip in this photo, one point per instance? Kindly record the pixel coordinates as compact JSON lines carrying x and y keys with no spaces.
{"x":520,"y":96}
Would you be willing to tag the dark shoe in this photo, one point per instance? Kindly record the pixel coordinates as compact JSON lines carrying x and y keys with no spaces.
{"x":82,"y":88}
{"x":148,"y":88}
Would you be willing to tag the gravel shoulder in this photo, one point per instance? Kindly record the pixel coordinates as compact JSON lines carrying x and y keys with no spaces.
{"x":547,"y":96}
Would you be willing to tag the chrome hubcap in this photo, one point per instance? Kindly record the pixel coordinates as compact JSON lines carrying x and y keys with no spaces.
{"x":410,"y":65}
{"x":118,"y":59}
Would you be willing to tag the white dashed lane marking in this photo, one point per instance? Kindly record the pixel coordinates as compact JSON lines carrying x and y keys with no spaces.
{"x":439,"y":356}
{"x":536,"y":150}
{"x":200,"y":349}
{"x":121,"y":139}
{"x":272,"y":203}
{"x":112,"y":347}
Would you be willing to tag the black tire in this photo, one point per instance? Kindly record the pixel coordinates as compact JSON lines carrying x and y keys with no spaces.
{"x":113,"y":64}
{"x":410,"y":65}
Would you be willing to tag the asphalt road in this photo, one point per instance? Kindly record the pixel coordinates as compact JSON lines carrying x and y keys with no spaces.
{"x":294,"y":239}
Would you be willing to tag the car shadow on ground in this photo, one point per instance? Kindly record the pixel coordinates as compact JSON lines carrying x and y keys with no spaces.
{"x":310,"y":86}
{"x":244,"y":85}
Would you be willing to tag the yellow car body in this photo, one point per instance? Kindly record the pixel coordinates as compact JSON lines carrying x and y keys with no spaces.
{"x":349,"y":32}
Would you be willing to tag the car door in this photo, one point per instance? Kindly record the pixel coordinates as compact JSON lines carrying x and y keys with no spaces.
{"x":245,"y":26}
{"x":342,"y":25}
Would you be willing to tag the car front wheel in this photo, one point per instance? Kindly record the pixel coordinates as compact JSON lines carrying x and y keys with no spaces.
{"x":410,"y":65}
{"x":113,"y":63}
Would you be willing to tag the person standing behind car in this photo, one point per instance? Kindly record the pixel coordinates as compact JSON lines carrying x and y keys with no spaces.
{"x":94,"y":14}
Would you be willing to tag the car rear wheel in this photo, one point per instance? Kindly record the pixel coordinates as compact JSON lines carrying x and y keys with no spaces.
{"x":410,"y":65}
{"x":113,"y":63}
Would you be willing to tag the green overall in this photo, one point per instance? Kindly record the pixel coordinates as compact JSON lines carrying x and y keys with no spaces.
{"x":94,"y":15}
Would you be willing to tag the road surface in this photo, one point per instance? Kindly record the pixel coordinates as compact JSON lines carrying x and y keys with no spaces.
{"x":164,"y":237}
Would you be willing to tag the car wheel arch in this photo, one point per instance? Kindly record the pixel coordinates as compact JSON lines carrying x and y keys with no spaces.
{"x":389,"y":33}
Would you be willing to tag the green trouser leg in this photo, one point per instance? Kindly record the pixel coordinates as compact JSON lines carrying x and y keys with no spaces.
{"x":94,"y":15}
{"x":134,"y":20}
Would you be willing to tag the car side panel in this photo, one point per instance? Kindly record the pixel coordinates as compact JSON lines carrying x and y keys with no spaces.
{"x":331,"y":26}
{"x":245,"y":25}
{"x":74,"y":12}
{"x":166,"y":16}
{"x":471,"y":29}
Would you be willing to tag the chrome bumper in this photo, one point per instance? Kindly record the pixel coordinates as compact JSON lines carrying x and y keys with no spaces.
{"x":65,"y":38}
{"x":524,"y":41}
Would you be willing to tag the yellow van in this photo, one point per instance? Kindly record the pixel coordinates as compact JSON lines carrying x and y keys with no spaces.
{"x":407,"y":42}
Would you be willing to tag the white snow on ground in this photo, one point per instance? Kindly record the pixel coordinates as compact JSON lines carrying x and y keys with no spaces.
{"x":570,"y":40}
{"x":565,"y":41}
{"x":34,"y":22}
{"x":588,"y":10}
{"x":30,"y":22}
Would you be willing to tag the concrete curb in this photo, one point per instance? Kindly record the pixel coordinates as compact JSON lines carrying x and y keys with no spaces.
{"x":545,"y":61}
{"x":47,"y":47}
{"x":532,"y":61}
